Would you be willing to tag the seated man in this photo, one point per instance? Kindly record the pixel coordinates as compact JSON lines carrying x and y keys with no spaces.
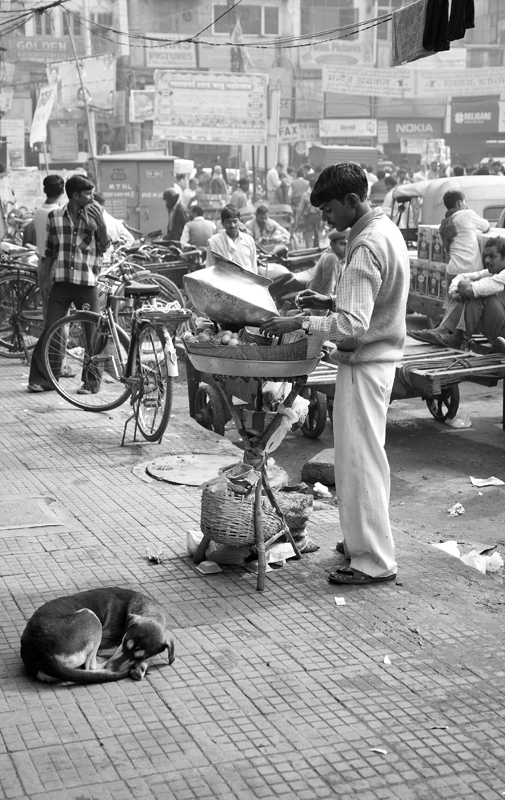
{"x":265,"y":230}
{"x":477,"y":303}
{"x":232,"y":243}
{"x":198,"y":230}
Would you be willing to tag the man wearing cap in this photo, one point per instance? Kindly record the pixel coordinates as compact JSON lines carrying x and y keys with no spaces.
{"x":177,"y":216}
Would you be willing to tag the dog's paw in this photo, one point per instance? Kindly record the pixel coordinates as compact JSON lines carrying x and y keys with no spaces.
{"x":138,"y":671}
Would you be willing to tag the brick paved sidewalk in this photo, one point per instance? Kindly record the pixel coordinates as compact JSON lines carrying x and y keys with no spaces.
{"x":274,"y":694}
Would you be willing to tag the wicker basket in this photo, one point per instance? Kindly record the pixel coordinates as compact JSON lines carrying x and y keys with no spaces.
{"x":229,"y":518}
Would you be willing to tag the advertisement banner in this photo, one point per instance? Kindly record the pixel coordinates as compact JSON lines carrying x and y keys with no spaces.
{"x":98,"y":76}
{"x":347,"y":127}
{"x":14,"y":131}
{"x":141,"y":105}
{"x":292,"y":132}
{"x":210,"y":108}
{"x":42,"y":48}
{"x":368,"y":81}
{"x":464,"y":82}
{"x":176,"y":55}
{"x":336,"y":51}
{"x":6,"y":97}
{"x":38,"y":130}
{"x":477,"y":118}
{"x":411,"y":146}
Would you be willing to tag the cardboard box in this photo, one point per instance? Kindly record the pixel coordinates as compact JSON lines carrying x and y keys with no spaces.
{"x":424,"y":234}
{"x":436,"y":276}
{"x":423,"y":275}
{"x":438,"y":251}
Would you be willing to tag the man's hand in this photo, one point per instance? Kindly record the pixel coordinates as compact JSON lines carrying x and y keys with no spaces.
{"x":276,"y":326}
{"x":309,"y":299}
{"x":95,"y":214}
{"x":465,"y":289}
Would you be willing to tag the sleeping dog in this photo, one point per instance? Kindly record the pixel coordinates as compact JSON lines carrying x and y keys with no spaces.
{"x":64,"y":636}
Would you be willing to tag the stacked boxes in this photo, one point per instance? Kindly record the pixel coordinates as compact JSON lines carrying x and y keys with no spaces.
{"x":427,"y":274}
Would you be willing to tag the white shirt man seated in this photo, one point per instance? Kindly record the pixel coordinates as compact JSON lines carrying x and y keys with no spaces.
{"x":266,"y":231}
{"x":117,"y":231}
{"x":232,"y":243}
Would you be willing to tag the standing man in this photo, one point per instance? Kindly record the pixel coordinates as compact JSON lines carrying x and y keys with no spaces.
{"x":53,"y":186}
{"x":232,"y":243}
{"x":177,"y":216}
{"x":198,"y":230}
{"x":273,"y":181}
{"x":367,"y":323}
{"x":298,"y":187}
{"x":76,"y":241}
{"x":240,"y":197}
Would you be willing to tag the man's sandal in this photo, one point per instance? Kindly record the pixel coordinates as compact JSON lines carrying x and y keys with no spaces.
{"x":340,"y":548}
{"x":353,"y":577}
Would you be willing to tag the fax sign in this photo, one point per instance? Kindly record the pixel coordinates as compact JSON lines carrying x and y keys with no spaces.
{"x":289,"y":134}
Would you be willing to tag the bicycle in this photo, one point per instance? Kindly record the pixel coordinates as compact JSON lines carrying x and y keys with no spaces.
{"x":112,"y":366}
{"x":20,"y":307}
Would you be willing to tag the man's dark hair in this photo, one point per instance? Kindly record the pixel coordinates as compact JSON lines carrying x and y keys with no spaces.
{"x":229,"y":212}
{"x":451,"y":198}
{"x":244,"y":182}
{"x":483,"y":171}
{"x":458,"y":171}
{"x":337,"y":181}
{"x":381,"y":174}
{"x":53,"y":185}
{"x":78,"y":183}
{"x":262,"y":210}
{"x":196,"y":209}
{"x":498,"y":242}
{"x":390,"y":181}
{"x":180,"y":176}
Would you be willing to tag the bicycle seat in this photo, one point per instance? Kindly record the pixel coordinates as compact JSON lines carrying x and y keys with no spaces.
{"x":142,"y":290}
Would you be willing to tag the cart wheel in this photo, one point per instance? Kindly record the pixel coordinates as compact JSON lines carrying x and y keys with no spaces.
{"x":209,"y":410}
{"x":315,"y":421}
{"x":444,"y":405}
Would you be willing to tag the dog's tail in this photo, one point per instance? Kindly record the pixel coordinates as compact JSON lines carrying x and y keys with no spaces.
{"x":54,"y":669}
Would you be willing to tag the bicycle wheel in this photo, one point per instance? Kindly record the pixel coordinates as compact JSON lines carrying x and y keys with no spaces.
{"x":153,"y":400}
{"x":85,"y":344}
{"x":19,"y":296}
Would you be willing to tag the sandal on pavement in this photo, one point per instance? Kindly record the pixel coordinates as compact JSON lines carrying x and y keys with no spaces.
{"x":340,"y":548}
{"x":85,"y":390}
{"x":34,"y":387}
{"x":354,"y":577}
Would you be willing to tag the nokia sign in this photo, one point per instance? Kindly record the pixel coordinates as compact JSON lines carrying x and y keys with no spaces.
{"x":418,"y":129}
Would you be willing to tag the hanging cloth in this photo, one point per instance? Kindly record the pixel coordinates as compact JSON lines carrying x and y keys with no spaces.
{"x":436,"y":26}
{"x":461,"y":18}
{"x":408,"y":26}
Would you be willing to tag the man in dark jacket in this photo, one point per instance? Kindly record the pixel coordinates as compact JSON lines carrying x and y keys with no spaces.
{"x":177,"y":216}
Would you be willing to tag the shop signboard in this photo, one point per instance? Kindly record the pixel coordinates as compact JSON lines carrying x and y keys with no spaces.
{"x":6,"y":97}
{"x":411,"y":146}
{"x":462,"y":83}
{"x":347,"y":127}
{"x":398,"y":82}
{"x":292,"y":132}
{"x":414,"y":129}
{"x":42,"y":48}
{"x":210,"y":108}
{"x":171,"y":53}
{"x":337,"y":51}
{"x":475,"y":117}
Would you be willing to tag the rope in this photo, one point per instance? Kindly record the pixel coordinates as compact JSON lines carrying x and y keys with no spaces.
{"x":411,"y":381}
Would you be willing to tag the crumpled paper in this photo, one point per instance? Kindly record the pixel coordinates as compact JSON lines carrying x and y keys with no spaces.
{"x":487,"y":481}
{"x":321,"y":490}
{"x":455,"y":510}
{"x":473,"y":559}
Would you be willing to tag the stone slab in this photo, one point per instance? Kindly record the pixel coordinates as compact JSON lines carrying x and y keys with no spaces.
{"x":320,"y":468}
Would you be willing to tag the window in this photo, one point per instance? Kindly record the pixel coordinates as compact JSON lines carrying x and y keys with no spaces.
{"x":102,"y":19}
{"x":386,"y":7}
{"x":325,"y":14}
{"x":75,"y":22}
{"x":254,"y":20}
{"x":44,"y":25}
